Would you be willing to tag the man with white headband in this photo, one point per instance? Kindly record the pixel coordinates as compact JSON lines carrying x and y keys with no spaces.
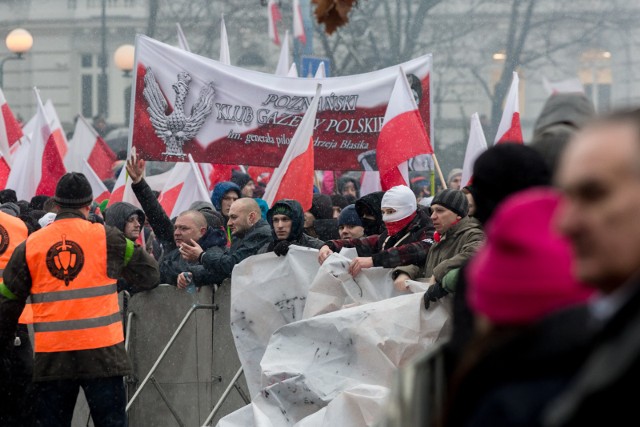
{"x":408,"y":230}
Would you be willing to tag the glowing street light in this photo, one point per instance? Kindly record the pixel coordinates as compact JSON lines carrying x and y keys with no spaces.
{"x":18,"y":41}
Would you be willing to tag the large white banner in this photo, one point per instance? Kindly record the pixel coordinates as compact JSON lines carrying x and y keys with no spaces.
{"x":188,"y":104}
{"x":310,"y":363}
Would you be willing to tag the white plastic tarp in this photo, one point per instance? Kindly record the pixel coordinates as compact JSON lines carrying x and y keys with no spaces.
{"x":267,"y":292}
{"x":311,"y":362}
{"x":334,"y":288}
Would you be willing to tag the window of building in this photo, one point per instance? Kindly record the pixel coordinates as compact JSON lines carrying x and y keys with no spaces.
{"x":595,"y":74}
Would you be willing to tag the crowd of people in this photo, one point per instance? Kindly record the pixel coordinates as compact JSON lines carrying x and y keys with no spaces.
{"x":537,"y":255}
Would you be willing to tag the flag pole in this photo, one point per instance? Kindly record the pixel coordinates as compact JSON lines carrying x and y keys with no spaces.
{"x":437,"y":165}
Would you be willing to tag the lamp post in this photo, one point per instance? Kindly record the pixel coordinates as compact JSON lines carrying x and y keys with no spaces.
{"x":124,"y":57}
{"x":18,"y":41}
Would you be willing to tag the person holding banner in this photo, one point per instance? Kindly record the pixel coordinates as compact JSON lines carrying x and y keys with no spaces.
{"x":287,"y":224}
{"x":406,"y":225}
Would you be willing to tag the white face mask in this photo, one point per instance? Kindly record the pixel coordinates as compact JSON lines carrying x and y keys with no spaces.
{"x":400,"y":198}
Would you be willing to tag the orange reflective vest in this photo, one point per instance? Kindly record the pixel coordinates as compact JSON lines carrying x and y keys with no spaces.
{"x":13,"y":231}
{"x":74,"y":302}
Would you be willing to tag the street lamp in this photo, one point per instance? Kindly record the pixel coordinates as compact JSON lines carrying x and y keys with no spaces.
{"x":124,"y":58}
{"x":18,"y":41}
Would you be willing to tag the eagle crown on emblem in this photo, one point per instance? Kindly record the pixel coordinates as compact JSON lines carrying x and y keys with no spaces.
{"x":176,"y":128}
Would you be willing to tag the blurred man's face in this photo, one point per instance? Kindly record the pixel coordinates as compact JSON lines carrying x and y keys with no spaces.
{"x":132,"y":228}
{"x":227,"y":201}
{"x":186,"y":229}
{"x":351,"y":231}
{"x":240,"y":219}
{"x":309,"y":219}
{"x":600,"y":177}
{"x":282,"y":225}
{"x":455,"y":182}
{"x":247,"y":190}
{"x":349,"y":189}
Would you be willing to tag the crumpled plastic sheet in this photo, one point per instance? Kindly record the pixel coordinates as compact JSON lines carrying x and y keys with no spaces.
{"x":337,"y":366}
{"x":267,"y":292}
{"x":334,"y":288}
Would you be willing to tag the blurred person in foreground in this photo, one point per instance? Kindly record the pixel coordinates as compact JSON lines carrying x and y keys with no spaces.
{"x":599,"y":176}
{"x":522,"y":351}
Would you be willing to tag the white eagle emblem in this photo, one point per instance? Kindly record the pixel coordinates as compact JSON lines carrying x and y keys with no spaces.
{"x":176,"y":128}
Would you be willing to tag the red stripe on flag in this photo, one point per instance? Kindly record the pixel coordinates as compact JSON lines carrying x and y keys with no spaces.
{"x":60,"y":142}
{"x":4,"y":173}
{"x":52,"y":168}
{"x":297,"y":182}
{"x":101,"y":159}
{"x":514,"y":134}
{"x":14,"y":131}
{"x":169,"y":198}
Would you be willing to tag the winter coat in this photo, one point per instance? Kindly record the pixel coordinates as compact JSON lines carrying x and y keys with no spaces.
{"x":519,"y":371}
{"x":409,"y":245}
{"x":117,"y":216}
{"x":141,"y":270}
{"x":172,"y":264}
{"x":456,"y":246}
{"x":601,"y":393}
{"x":158,"y":219}
{"x":219,"y":262}
{"x":220,"y":190}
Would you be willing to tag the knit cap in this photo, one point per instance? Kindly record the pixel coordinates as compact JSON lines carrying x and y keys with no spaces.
{"x":73,"y":191}
{"x":523,"y":272}
{"x":454,"y":200}
{"x":349,"y":216}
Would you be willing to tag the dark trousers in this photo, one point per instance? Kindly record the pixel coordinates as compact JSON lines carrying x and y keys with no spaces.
{"x":15,"y":391}
{"x":56,"y":400}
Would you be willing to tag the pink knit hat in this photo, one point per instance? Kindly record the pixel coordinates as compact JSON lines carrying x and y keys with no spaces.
{"x":523,"y":272}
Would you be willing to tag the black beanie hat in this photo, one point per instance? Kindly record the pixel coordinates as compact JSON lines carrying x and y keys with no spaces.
{"x":240,"y":179}
{"x":502,"y":170}
{"x":454,"y":200}
{"x":73,"y":191}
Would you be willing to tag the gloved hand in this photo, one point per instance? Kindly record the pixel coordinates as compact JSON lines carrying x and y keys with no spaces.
{"x":281,"y":248}
{"x":434,"y":293}
{"x":219,"y":237}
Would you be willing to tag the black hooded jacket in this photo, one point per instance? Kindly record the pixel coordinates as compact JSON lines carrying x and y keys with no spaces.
{"x":297,"y":235}
{"x":371,"y":204}
{"x":117,"y":216}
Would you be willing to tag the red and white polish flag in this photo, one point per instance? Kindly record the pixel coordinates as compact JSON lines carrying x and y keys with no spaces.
{"x":476,"y":145}
{"x":54,"y":123}
{"x":298,"y":23}
{"x":293,"y":179}
{"x":100,"y":191}
{"x":402,"y":136}
{"x":40,"y":166}
{"x":88,"y":145}
{"x":274,"y":17}
{"x":184,"y":187}
{"x":510,"y":129}
{"x":10,"y":130}
{"x":122,"y":191}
